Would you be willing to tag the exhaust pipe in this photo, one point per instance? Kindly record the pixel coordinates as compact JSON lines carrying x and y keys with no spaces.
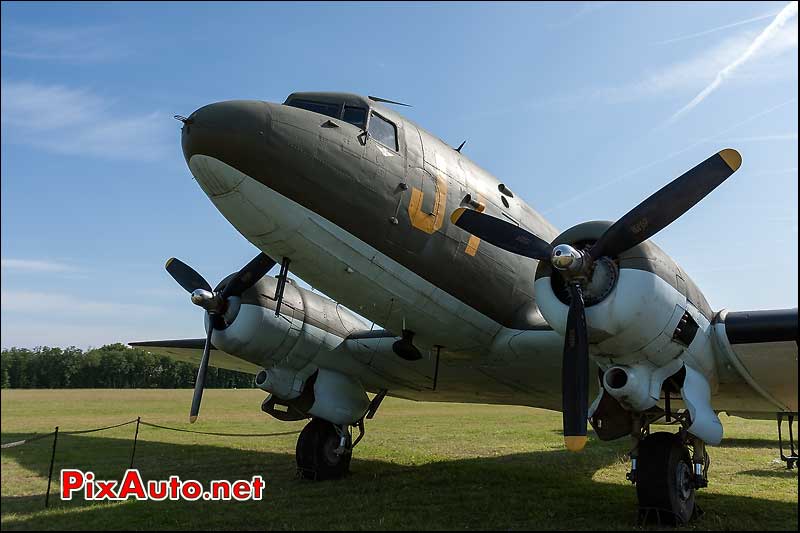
{"x":630,"y":386}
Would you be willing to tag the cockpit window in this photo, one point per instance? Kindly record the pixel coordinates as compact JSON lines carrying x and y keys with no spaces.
{"x":331,"y":110}
{"x":383,"y":131}
{"x":357,"y":116}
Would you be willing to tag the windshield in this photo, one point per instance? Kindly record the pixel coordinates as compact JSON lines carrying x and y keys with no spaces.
{"x":331,"y":110}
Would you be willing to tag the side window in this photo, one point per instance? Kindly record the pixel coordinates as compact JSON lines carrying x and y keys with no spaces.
{"x":331,"y":110}
{"x":383,"y":131}
{"x":357,"y":116}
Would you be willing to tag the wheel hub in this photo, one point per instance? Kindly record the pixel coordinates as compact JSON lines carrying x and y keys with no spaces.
{"x":329,"y":450}
{"x":684,"y":480}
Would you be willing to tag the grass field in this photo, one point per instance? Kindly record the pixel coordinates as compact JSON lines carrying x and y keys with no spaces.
{"x":421,"y":465}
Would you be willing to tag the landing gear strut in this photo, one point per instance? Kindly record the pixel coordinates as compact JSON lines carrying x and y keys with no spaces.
{"x":323,"y":451}
{"x":791,"y":459}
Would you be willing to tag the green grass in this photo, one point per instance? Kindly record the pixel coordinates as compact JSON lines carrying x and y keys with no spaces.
{"x":421,"y":465}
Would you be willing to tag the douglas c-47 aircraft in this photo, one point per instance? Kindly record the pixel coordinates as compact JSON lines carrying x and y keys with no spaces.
{"x":477,"y":298}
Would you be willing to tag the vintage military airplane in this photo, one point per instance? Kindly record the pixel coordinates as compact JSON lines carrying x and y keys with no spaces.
{"x":477,"y":298}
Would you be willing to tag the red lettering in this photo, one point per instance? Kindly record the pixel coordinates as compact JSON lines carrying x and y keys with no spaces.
{"x":191,"y":490}
{"x":105,"y":490}
{"x":132,"y":485}
{"x":241,"y":490}
{"x":174,"y":486}
{"x":71,"y":480}
{"x":258,"y":487}
{"x":158,"y":490}
{"x":220,"y":490}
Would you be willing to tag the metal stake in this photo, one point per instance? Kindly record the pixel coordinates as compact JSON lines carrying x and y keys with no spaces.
{"x":135,"y":438}
{"x":50,"y":475}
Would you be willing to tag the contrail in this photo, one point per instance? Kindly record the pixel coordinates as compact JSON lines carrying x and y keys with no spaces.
{"x":718,"y":28}
{"x":676,"y":153}
{"x":787,"y":13}
{"x":764,"y":138}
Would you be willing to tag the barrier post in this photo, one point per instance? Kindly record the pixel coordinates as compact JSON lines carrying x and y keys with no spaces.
{"x":135,"y":438}
{"x":50,"y":475}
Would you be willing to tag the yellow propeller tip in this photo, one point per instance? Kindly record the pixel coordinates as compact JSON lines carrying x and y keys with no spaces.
{"x":732,"y":158}
{"x":457,"y":214}
{"x":170,"y":260}
{"x":193,"y":419}
{"x":575,"y":443}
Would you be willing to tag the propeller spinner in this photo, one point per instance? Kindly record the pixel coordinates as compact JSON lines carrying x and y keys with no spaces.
{"x":215,"y":305}
{"x":575,"y":266}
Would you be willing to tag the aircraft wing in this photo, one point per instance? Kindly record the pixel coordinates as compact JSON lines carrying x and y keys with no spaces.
{"x":762,"y":346}
{"x":191,"y":350}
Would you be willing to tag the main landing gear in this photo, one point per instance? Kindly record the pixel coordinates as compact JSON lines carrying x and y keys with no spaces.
{"x":324,"y":449}
{"x":667,"y":469}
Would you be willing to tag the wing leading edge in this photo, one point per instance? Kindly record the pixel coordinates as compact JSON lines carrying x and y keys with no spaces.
{"x":191,"y":350}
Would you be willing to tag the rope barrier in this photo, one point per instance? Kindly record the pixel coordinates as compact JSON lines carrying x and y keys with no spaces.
{"x":139,"y":422}
{"x":142,"y":422}
{"x":25,"y":441}
{"x":220,"y":434}
{"x":82,"y":431}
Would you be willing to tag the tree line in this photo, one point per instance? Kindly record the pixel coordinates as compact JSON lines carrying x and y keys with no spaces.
{"x":114,"y":366}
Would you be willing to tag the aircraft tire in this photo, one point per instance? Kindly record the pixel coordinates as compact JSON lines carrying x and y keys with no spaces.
{"x":315,"y":458}
{"x":664,"y":482}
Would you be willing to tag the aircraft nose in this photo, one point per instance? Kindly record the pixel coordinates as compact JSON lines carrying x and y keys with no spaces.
{"x":233,"y":132}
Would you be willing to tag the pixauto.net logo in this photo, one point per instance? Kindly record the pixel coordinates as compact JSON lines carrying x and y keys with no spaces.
{"x":132,"y":486}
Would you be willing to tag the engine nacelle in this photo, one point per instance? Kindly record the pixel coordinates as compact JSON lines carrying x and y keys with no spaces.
{"x":338,"y":398}
{"x":326,"y":394}
{"x":640,"y":306}
{"x":308,"y":323}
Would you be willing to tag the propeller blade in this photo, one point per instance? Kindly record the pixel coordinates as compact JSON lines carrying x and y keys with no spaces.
{"x":186,"y":276}
{"x":667,"y":205}
{"x":200,"y":383}
{"x":575,"y":373}
{"x":253,"y":271}
{"x":502,"y":234}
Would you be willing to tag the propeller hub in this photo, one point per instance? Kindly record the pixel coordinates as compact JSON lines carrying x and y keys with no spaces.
{"x":566,"y":258}
{"x":205,"y":299}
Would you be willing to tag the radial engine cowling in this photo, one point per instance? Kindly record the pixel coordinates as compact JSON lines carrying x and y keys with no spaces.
{"x":308,"y":324}
{"x":640,"y":306}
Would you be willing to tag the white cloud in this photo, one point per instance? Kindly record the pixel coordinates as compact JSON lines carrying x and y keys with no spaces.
{"x":73,"y":121}
{"x":50,"y":303}
{"x":698,"y":71}
{"x":773,"y":32}
{"x":63,"y":331}
{"x":624,"y":176}
{"x":703,"y":69}
{"x":35,"y":265}
{"x":61,"y":44}
{"x":37,"y":318}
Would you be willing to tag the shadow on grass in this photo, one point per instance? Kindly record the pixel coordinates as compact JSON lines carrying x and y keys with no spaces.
{"x":540,"y":490}
{"x":749,"y":443}
{"x":783,"y":472}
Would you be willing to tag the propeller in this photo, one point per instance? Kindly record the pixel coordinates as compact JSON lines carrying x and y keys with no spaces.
{"x":215,"y":305}
{"x":575,"y":266}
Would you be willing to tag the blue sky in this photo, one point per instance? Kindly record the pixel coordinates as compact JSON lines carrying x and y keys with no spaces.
{"x":583,"y":109}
